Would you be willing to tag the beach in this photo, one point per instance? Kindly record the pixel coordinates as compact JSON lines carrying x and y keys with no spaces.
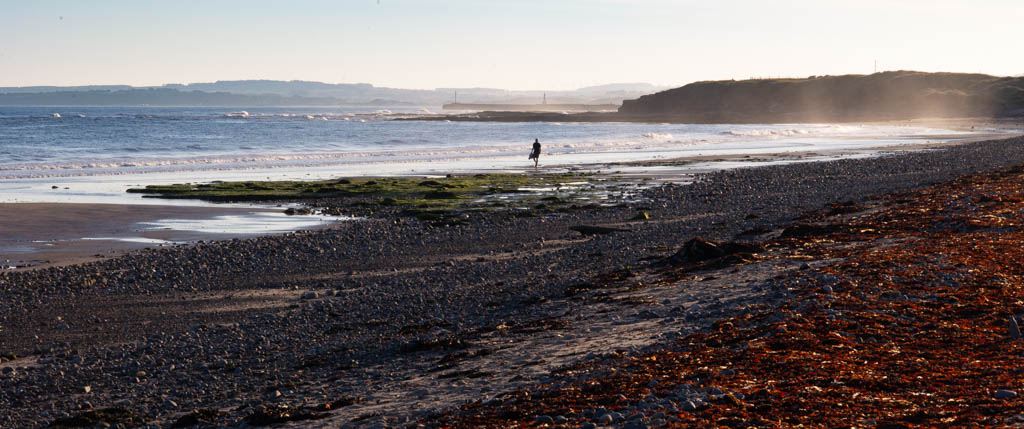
{"x":391,"y":319}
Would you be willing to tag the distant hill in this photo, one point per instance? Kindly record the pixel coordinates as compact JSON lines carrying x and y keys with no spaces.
{"x":879,"y":96}
{"x":155,"y":97}
{"x":304,"y":93}
{"x":44,"y":89}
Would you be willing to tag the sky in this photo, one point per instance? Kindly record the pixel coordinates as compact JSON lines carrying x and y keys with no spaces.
{"x":509,"y":44}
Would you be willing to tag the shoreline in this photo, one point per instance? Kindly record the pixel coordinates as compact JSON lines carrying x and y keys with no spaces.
{"x":40,"y":235}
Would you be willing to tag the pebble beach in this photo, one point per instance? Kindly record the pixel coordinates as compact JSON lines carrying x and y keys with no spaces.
{"x":390,"y":321}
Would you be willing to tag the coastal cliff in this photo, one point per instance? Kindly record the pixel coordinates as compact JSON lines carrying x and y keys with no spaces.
{"x":880,"y":96}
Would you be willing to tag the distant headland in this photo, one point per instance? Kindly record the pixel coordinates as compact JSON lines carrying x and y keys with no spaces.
{"x":896,"y":95}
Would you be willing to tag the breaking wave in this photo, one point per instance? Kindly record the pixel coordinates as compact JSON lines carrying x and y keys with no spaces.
{"x":769,"y":132}
{"x":658,"y":136}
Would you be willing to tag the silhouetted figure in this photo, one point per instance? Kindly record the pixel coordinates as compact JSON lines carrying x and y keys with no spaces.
{"x":535,"y":153}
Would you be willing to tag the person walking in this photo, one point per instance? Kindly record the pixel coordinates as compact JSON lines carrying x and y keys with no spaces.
{"x":535,"y":153}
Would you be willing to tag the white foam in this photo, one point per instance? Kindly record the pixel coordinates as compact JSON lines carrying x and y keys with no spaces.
{"x":658,"y":136}
{"x":769,"y":132}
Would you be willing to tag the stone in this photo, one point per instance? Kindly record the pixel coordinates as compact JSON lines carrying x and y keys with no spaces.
{"x":1013,"y":329}
{"x":302,"y":211}
{"x":605,"y":419}
{"x":87,"y":389}
{"x":688,"y":406}
{"x":1004,"y":394}
{"x":544,"y":420}
{"x":310,"y":295}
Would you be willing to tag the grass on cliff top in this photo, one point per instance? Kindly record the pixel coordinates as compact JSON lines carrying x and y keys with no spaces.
{"x":388,"y":188}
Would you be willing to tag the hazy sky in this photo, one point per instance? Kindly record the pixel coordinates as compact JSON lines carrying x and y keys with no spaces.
{"x":513,"y":44}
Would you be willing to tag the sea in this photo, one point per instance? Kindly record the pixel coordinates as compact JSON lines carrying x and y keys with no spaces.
{"x":92,"y":154}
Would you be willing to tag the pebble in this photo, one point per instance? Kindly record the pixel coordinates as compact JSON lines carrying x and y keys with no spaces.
{"x":1004,"y":394}
{"x":1013,"y":328}
{"x":688,"y":406}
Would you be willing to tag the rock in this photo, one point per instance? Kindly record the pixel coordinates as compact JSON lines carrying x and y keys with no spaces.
{"x":647,"y":314}
{"x":544,"y":420}
{"x":699,"y":250}
{"x":310,"y":295}
{"x":605,"y":419}
{"x":1004,"y":394}
{"x":87,"y":389}
{"x":63,"y":325}
{"x":827,"y":289}
{"x":301,"y":211}
{"x":561,"y":420}
{"x":1013,"y":329}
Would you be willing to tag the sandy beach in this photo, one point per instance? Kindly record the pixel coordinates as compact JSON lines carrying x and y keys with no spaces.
{"x":390,"y":320}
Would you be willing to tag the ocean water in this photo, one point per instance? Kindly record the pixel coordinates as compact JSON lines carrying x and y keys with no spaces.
{"x":100,"y":150}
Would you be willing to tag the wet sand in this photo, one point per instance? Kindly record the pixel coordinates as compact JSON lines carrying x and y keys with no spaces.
{"x":38,"y":235}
